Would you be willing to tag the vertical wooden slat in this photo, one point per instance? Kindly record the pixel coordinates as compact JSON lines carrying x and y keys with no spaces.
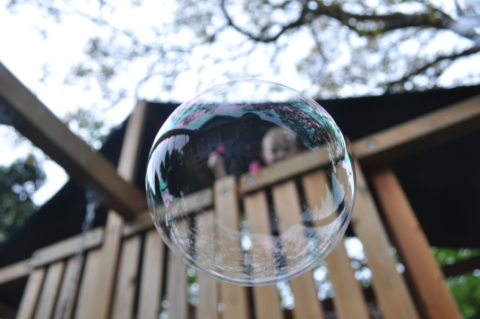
{"x":266,"y":298}
{"x":176,"y":287}
{"x":69,"y":288}
{"x":349,"y":301}
{"x":152,"y":271}
{"x":389,"y":286}
{"x":87,"y":293}
{"x":287,"y":207}
{"x":428,"y":279}
{"x":208,"y":288}
{"x":233,"y":297}
{"x":50,"y":291}
{"x":127,"y":279}
{"x":30,"y":296}
{"x":113,"y":231}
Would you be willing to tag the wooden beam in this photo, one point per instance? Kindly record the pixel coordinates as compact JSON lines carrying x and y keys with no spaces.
{"x":461,"y":267}
{"x":417,"y":134}
{"x":390,"y":288}
{"x":66,"y":248}
{"x":88,"y":168}
{"x":428,"y":280}
{"x":127,"y":169}
{"x":14,"y":271}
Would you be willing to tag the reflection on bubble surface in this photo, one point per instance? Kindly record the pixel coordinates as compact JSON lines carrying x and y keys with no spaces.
{"x":260,"y":130}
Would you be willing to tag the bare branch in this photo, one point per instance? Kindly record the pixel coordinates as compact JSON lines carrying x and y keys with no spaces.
{"x":440,"y":58}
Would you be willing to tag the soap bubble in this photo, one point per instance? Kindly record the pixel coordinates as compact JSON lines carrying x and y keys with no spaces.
{"x":250,"y":182}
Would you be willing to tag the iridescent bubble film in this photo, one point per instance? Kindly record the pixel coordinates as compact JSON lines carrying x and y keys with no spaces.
{"x":250,"y":182}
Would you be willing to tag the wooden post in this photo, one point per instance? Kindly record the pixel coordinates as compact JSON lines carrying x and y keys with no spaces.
{"x":413,"y":247}
{"x":113,"y":230}
{"x":390,"y":288}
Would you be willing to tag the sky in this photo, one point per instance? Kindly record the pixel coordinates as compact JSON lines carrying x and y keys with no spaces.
{"x":25,"y":46}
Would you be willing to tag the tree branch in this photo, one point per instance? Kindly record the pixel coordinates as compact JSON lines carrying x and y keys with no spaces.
{"x":440,"y":58}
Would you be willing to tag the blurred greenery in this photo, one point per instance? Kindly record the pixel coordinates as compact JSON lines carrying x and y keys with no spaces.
{"x":465,"y":288}
{"x":18,"y":183}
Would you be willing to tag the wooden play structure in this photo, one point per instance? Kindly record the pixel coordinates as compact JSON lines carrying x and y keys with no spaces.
{"x":127,"y":270}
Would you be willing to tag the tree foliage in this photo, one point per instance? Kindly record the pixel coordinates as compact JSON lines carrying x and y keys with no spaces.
{"x":465,"y":288}
{"x":18,"y":183}
{"x":332,"y":47}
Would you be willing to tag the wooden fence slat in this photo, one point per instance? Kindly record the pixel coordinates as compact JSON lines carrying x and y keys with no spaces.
{"x":126,"y":279}
{"x":49,"y":291}
{"x":266,"y":298}
{"x":31,"y":293}
{"x":287,"y":207}
{"x":233,"y":297}
{"x":151,"y":278}
{"x":349,"y":301}
{"x":413,"y":246}
{"x":390,"y":289}
{"x":87,"y":292}
{"x":208,"y":288}
{"x":177,"y":287}
{"x":69,"y":288}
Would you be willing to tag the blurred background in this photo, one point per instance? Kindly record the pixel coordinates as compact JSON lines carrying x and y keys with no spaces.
{"x":90,"y":61}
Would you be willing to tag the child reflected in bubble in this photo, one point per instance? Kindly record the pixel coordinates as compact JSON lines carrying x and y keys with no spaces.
{"x":277,"y":144}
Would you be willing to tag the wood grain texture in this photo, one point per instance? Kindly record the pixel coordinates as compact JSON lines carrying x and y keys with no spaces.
{"x":233,"y":297}
{"x":50,"y":290}
{"x":208,"y":287}
{"x":176,"y":287}
{"x":413,"y":247}
{"x":293,"y":238}
{"x":87,"y":292}
{"x":151,"y":280}
{"x":127,"y":169}
{"x":390,"y":288}
{"x":431,"y":129}
{"x":31,"y":293}
{"x":126,"y":282}
{"x":14,"y":271}
{"x":349,"y":301}
{"x":69,"y":289}
{"x":266,"y":298}
{"x":66,"y":248}
{"x":36,"y":122}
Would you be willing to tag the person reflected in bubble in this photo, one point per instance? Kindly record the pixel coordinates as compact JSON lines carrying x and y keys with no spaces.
{"x":247,"y":147}
{"x":277,"y":144}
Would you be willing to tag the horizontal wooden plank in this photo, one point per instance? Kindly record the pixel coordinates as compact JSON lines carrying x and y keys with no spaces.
{"x":66,"y":248}
{"x":419,"y":133}
{"x":14,"y":271}
{"x":36,"y":122}
{"x":283,"y":170}
{"x":461,"y":267}
{"x":188,"y":204}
